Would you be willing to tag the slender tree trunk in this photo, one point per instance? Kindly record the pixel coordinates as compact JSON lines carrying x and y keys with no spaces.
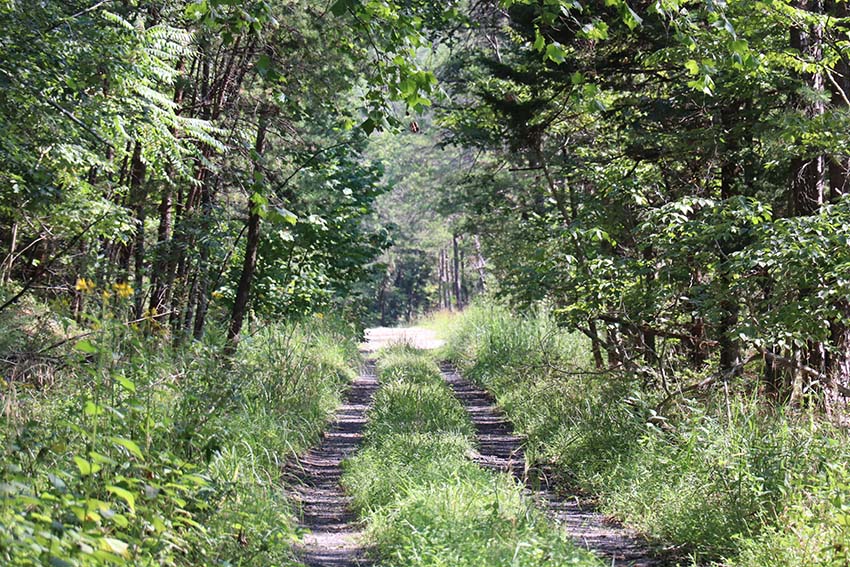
{"x":480,"y":264}
{"x":456,"y":272}
{"x":440,"y":292}
{"x":10,"y":259}
{"x":204,"y":267}
{"x":808,"y":175}
{"x":252,"y":243}
{"x":808,"y":172}
{"x":730,"y":345}
{"x":444,"y":279}
{"x":139,"y":198}
{"x":595,"y":344}
{"x":160,"y":276}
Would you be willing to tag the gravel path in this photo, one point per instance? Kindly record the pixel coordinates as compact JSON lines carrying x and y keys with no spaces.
{"x":500,"y":449}
{"x":335,"y":538}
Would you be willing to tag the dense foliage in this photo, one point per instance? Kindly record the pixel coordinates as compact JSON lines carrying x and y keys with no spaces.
{"x":670,"y":176}
{"x":194,"y":194}
{"x":189,"y":148}
{"x":135,"y":454}
{"x":715,"y":477}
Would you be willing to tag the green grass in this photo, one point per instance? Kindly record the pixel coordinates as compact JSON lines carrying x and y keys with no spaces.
{"x":425,"y":502}
{"x":139,"y":453}
{"x":747,"y":484}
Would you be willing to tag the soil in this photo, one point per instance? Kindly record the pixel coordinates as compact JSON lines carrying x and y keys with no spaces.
{"x":335,"y":537}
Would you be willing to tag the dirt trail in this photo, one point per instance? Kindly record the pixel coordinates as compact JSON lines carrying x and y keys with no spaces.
{"x":334,"y":539}
{"x":500,"y":449}
{"x":418,"y":337}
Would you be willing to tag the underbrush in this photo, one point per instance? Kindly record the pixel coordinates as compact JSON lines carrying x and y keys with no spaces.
{"x":740,"y":482}
{"x":425,"y":502}
{"x":137,"y":452}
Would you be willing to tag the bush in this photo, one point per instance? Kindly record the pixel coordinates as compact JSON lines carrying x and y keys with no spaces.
{"x":740,"y":482}
{"x":143,"y":453}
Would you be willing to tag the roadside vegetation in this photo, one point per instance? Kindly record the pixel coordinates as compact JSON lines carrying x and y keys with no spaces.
{"x":136,"y":452}
{"x":724,"y":475}
{"x":425,"y":502}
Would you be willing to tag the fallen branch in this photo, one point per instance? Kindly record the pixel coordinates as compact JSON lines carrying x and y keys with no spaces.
{"x":719,"y":376}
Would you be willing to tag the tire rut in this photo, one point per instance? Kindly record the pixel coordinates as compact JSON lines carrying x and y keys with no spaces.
{"x":500,"y":449}
{"x":334,"y":538}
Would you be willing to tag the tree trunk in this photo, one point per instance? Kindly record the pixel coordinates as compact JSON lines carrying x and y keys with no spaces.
{"x":440,"y":292}
{"x":730,"y":346}
{"x":595,"y":344}
{"x":807,"y":173}
{"x":159,"y":277}
{"x":456,"y":273}
{"x":252,"y":244}
{"x":480,"y":264}
{"x":10,"y":259}
{"x":204,"y":263}
{"x":139,"y":197}
{"x":161,"y":274}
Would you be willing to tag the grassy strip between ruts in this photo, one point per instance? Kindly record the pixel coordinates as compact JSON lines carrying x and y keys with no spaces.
{"x":425,"y":502}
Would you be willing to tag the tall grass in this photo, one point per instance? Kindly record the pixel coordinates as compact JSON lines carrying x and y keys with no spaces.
{"x":138,"y":452}
{"x":425,"y":502}
{"x":743,"y":483}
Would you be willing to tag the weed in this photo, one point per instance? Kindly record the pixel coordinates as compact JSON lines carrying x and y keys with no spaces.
{"x":742,"y":482}
{"x":149,"y":454}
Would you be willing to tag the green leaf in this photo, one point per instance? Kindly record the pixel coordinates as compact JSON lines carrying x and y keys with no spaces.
{"x":129,"y":445}
{"x":631,"y":18}
{"x":85,"y":346}
{"x":126,"y":383}
{"x":125,"y":495}
{"x":539,"y":41}
{"x":556,"y":53}
{"x":116,"y":546}
{"x":340,"y":7}
{"x":280,"y":215}
{"x":92,"y":409}
{"x":86,"y":467}
{"x":368,"y":126}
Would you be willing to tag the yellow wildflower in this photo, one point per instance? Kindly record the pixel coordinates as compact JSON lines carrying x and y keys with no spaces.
{"x":84,"y":285}
{"x":217,"y":295}
{"x":106,"y":295}
{"x":319,"y":315}
{"x":123,"y":289}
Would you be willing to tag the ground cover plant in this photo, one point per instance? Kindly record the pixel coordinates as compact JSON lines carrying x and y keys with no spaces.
{"x":425,"y":502}
{"x":138,"y":452}
{"x":734,"y":479}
